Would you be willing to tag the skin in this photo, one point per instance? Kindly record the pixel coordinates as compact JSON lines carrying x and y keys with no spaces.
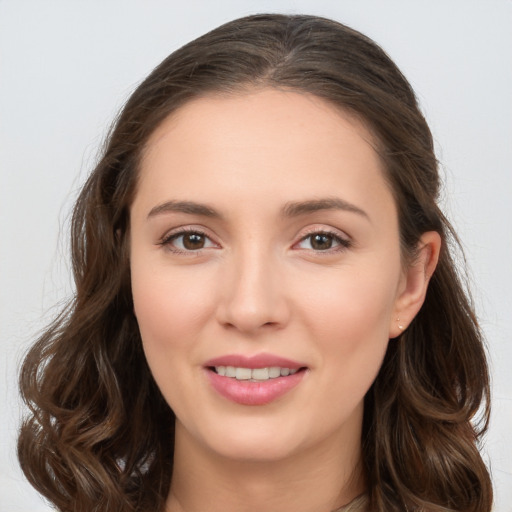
{"x":260,"y":284}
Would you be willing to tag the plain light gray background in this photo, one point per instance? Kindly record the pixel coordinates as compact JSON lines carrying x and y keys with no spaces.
{"x":67,"y":66}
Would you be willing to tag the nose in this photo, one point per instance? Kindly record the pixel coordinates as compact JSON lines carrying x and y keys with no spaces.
{"x":253,"y":295}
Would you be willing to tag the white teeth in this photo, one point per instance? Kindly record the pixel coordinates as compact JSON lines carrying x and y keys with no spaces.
{"x":243,"y":374}
{"x":260,"y":374}
{"x":256,"y":374}
{"x":274,"y":372}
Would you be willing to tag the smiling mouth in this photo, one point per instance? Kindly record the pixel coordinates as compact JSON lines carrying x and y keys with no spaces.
{"x":249,"y":381}
{"x":254,"y":374}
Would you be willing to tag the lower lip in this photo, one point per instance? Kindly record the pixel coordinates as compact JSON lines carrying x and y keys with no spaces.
{"x":246,"y":392}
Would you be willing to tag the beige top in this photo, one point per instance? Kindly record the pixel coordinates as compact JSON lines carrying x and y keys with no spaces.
{"x":360,"y":504}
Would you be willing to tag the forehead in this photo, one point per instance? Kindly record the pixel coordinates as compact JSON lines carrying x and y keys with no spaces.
{"x":268,"y":141}
{"x":259,"y":109}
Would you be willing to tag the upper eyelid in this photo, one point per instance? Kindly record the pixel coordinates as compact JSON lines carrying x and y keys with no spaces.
{"x":183,"y":230}
{"x":345,"y":241}
{"x":166,"y":241}
{"x":329,"y":230}
{"x":301,"y":235}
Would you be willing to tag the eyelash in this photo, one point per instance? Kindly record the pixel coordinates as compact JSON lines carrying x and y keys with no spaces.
{"x":167,"y":240}
{"x":343,"y":243}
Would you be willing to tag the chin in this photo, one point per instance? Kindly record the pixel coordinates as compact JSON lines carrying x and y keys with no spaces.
{"x":253,"y":443}
{"x":252,"y":450}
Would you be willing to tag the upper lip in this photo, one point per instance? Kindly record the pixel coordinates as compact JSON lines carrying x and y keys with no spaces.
{"x":255,"y":361}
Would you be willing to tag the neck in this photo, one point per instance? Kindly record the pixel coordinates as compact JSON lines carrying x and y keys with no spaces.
{"x":320,"y":478}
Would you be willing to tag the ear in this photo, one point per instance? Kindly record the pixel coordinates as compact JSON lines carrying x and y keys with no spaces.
{"x":414,"y":283}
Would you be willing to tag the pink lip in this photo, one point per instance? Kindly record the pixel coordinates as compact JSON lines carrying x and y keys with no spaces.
{"x":257,"y":361}
{"x":253,"y":393}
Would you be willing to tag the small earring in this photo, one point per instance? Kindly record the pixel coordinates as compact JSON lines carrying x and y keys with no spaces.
{"x":400,"y":326}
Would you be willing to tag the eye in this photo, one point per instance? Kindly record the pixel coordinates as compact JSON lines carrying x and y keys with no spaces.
{"x":188,"y":241}
{"x":323,"y":241}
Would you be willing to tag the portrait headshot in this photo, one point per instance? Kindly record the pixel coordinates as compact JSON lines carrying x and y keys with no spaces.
{"x":256,"y":256}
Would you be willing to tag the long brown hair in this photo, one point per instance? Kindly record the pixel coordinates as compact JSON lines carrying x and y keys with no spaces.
{"x":99,"y":433}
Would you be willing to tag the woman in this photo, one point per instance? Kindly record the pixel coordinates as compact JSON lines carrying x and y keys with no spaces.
{"x":267,"y":314}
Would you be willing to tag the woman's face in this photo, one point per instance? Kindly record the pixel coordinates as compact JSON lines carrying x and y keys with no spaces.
{"x":264,"y":235}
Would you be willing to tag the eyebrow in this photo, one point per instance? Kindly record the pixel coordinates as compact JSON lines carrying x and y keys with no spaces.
{"x":291,"y":209}
{"x":189,"y":207}
{"x":294,"y":209}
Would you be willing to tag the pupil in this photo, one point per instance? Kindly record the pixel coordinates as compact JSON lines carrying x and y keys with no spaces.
{"x":193,"y":241}
{"x":321,"y":242}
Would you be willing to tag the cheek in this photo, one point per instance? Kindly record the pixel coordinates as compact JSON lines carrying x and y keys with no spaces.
{"x":170,"y":307}
{"x":352,"y":301}
{"x":349,"y":321}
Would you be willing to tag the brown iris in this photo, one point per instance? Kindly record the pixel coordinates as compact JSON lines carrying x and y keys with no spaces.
{"x":321,"y":241}
{"x":193,"y":241}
